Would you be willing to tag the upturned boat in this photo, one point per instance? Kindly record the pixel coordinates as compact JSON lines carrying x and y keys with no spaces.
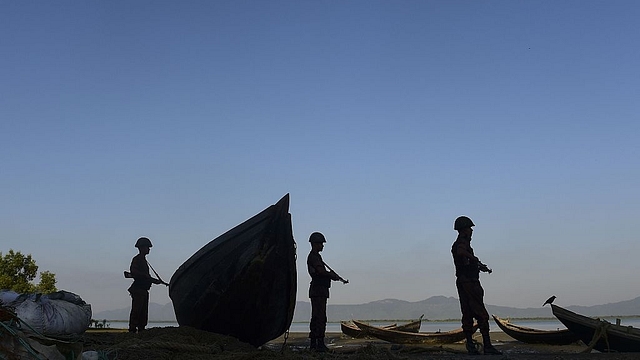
{"x":242,"y":283}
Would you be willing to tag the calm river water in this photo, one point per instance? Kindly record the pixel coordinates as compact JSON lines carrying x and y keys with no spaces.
{"x":427,"y":326}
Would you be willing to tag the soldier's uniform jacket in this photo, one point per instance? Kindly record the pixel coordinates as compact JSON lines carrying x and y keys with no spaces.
{"x":139,"y":266}
{"x":466,"y":269}
{"x":320,"y":283}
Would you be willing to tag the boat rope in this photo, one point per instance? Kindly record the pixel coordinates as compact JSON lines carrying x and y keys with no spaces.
{"x":20,"y":339}
{"x":599,"y":333}
{"x":286,"y":336}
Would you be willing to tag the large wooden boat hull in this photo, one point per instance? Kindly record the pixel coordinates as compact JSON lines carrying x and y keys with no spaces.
{"x":614,"y":337}
{"x":242,"y":283}
{"x":536,"y":336}
{"x":400,"y":337}
{"x":349,"y":328}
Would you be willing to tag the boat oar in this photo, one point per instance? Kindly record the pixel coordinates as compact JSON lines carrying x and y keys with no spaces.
{"x":158,"y":276}
{"x":339,"y":277}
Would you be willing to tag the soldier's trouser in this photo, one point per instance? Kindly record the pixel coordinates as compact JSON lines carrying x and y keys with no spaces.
{"x":472,"y":306}
{"x":318,"y":323}
{"x":139,"y":315}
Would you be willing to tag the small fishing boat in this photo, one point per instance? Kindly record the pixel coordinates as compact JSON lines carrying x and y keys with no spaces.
{"x":401,"y":337}
{"x":349,"y":328}
{"x":242,"y":283}
{"x":599,"y":334}
{"x":536,"y":336}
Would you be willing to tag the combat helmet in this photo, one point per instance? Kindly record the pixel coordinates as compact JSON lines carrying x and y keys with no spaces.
{"x":317,"y":237}
{"x":462,"y":222}
{"x":143,"y":242}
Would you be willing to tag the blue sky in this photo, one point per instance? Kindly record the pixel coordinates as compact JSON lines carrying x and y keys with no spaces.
{"x":383,"y":120}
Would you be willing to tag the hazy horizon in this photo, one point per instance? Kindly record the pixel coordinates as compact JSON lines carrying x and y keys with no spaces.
{"x":384,"y":121}
{"x":378,"y":300}
{"x":434,"y":310}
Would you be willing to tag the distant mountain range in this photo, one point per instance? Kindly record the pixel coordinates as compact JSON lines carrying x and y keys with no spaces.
{"x":433,"y":308}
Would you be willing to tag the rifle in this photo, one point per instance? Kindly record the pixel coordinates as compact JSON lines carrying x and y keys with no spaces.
{"x":129,"y":276}
{"x":484,"y":268}
{"x":339,"y":277}
{"x":158,"y":276}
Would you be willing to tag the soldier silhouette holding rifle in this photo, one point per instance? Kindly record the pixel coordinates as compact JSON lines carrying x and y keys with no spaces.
{"x":139,"y":290}
{"x":471,"y":294}
{"x":321,"y":277}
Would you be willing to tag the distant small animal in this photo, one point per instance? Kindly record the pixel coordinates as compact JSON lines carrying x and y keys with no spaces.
{"x":549,"y":300}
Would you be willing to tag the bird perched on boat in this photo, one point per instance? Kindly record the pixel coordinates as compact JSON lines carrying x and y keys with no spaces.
{"x":549,"y":300}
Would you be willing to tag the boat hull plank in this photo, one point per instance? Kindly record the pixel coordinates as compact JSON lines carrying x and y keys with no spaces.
{"x":349,"y":328}
{"x":536,"y":336}
{"x":399,"y":337}
{"x":618,"y":338}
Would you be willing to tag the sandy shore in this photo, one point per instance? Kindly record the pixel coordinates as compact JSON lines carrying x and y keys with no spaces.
{"x":174,"y":343}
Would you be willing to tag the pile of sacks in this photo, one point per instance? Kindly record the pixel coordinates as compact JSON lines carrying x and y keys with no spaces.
{"x":47,"y":326}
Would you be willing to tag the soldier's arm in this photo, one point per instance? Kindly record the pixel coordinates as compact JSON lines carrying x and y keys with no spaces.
{"x":138,"y":272}
{"x":320,"y":270}
{"x":461,"y":251}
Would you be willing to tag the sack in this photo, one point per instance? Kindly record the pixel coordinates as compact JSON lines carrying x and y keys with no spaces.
{"x":60,"y":315}
{"x":8,"y":296}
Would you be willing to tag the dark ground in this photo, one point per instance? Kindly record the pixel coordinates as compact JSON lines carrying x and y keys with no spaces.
{"x":187,"y":343}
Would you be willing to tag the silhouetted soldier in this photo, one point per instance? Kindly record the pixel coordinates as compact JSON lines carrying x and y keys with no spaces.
{"x":468,"y":268}
{"x":318,"y":291}
{"x":139,"y":290}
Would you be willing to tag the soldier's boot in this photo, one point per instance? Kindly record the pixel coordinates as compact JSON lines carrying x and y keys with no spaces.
{"x":313,"y":344}
{"x":491,"y":350}
{"x":488,"y":348}
{"x":321,"y":347}
{"x":471,"y":348}
{"x":470,"y":345}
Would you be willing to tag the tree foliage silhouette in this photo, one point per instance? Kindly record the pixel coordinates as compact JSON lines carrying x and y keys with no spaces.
{"x":18,"y":271}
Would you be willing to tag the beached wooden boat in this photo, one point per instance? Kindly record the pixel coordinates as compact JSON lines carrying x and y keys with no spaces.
{"x":600,"y":334}
{"x":401,"y":337}
{"x":536,"y":336}
{"x":242,"y":283}
{"x":349,"y":328}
